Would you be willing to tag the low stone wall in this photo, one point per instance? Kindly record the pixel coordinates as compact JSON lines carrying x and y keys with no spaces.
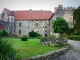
{"x":51,"y":55}
{"x":47,"y":41}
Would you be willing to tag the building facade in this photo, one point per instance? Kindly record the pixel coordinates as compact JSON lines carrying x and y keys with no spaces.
{"x":66,"y":13}
{"x":22,"y":22}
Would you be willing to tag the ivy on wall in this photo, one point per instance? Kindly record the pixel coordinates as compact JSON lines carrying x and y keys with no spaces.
{"x":76,"y":16}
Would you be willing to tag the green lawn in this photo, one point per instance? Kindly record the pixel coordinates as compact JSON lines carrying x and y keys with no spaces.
{"x":32,"y":47}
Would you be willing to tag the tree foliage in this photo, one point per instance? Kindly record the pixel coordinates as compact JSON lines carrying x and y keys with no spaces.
{"x":76,"y":16}
{"x":60,"y":25}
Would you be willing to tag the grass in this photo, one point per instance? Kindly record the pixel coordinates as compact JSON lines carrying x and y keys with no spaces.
{"x":27,"y":49}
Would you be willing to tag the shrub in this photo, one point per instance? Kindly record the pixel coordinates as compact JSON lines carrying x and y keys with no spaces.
{"x":4,"y":33}
{"x":6,"y":51}
{"x":73,"y":37}
{"x":34,"y":34}
{"x":39,"y":37}
{"x":24,"y":38}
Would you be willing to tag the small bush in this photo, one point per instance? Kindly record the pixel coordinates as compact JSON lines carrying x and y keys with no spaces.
{"x":39,"y":37}
{"x":24,"y":38}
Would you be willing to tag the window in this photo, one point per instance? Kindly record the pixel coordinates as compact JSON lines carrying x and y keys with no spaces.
{"x":45,"y":34}
{"x":11,"y":19}
{"x":45,"y":22}
{"x":36,"y":24}
{"x":45,"y":26}
{"x":45,"y":31}
{"x":20,"y":24}
{"x":19,"y":31}
{"x":3,"y":14}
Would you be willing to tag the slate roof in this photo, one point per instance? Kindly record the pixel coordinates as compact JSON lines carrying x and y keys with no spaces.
{"x":7,"y":11}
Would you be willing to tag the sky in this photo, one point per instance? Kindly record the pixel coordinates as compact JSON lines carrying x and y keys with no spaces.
{"x":36,"y":4}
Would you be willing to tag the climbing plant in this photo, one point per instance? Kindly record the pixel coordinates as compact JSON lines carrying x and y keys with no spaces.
{"x":76,"y":16}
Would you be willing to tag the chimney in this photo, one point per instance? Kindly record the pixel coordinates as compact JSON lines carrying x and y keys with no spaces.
{"x":41,"y":10}
{"x":30,"y":10}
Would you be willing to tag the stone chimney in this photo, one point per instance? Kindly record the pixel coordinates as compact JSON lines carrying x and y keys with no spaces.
{"x":30,"y":10}
{"x":41,"y":10}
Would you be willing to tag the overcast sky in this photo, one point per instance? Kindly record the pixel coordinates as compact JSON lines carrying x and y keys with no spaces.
{"x":36,"y":4}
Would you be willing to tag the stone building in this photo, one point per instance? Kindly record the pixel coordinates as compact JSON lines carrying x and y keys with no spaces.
{"x":66,"y":13}
{"x":22,"y":22}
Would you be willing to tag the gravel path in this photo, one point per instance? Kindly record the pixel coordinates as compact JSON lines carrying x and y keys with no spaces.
{"x":74,"y":53}
{"x":75,"y":48}
{"x":68,"y":56}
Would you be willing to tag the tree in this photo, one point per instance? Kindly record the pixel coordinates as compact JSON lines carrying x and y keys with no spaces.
{"x":60,"y":26}
{"x":6,"y":51}
{"x":76,"y":17}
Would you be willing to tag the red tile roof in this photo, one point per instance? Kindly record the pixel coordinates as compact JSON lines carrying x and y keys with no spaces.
{"x":34,"y":15}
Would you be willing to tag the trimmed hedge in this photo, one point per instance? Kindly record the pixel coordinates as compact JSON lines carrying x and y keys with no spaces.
{"x":73,"y":37}
{"x":24,"y":38}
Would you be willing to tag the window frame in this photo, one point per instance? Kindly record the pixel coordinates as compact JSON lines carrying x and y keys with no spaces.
{"x":19,"y":31}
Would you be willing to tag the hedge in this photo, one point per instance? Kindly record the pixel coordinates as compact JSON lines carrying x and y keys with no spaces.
{"x":73,"y":37}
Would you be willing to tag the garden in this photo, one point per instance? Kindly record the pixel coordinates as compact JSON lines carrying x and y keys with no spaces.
{"x":24,"y":47}
{"x":35,"y":44}
{"x":30,"y":48}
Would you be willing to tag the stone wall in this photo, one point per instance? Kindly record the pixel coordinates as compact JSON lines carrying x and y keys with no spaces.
{"x":66,"y":13}
{"x":51,"y":55}
{"x":30,"y":25}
